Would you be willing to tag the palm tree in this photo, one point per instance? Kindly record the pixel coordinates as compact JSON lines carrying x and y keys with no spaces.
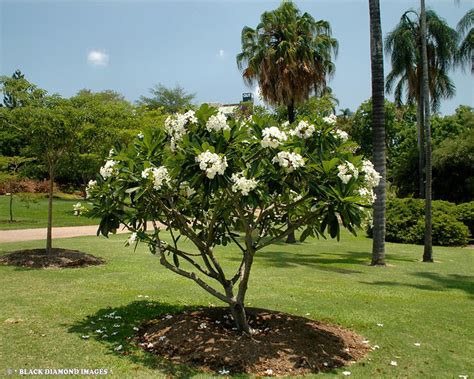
{"x":404,"y":45}
{"x":378,"y":130}
{"x":466,"y":47}
{"x":289,"y":55}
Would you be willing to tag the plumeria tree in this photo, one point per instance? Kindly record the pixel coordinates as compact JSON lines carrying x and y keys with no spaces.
{"x":203,"y":177}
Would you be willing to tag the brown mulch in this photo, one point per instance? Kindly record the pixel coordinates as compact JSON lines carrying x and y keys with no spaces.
{"x":59,"y":258}
{"x":282,"y":345}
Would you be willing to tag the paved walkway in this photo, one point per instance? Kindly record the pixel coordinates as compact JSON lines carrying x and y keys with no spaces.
{"x":40,"y":233}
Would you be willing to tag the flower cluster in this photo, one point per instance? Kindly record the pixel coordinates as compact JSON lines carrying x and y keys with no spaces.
{"x":289,"y":161}
{"x":243,"y":185}
{"x":211,"y":163}
{"x":159,"y":176}
{"x":367,"y":194}
{"x":175,"y":126}
{"x":341,"y":134}
{"x":346,"y":171}
{"x":331,"y":120}
{"x":272,"y":137}
{"x":217,"y":123}
{"x":304,"y":130}
{"x":372,"y":177}
{"x":108,"y":169}
{"x":90,"y":186}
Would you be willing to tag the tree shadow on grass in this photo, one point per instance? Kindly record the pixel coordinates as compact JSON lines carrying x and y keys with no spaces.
{"x":118,"y":324}
{"x":320,"y":261}
{"x":438,"y":282}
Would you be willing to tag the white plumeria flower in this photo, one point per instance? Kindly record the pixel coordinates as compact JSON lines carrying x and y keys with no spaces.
{"x":108,"y":169}
{"x":346,"y":373}
{"x":303,"y":130}
{"x":159,"y":176}
{"x":269,"y":371}
{"x":341,"y":134}
{"x":272,"y":137}
{"x":346,"y":171}
{"x":211,"y":163}
{"x":243,"y":185}
{"x":203,"y":325}
{"x":372,"y":177}
{"x":140,"y":135}
{"x":393,"y":363}
{"x":331,"y":120}
{"x":224,"y":371}
{"x":217,"y":123}
{"x":132,"y":239}
{"x":289,"y":161}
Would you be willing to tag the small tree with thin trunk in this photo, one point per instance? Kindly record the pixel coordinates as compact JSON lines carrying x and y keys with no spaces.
{"x":50,"y":131}
{"x":205,"y":177}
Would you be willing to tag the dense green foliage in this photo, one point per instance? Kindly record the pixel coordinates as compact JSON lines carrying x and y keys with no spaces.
{"x":405,"y":222}
{"x":170,"y":100}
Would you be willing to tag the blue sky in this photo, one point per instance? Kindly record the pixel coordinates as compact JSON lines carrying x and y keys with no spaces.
{"x":65,"y":45}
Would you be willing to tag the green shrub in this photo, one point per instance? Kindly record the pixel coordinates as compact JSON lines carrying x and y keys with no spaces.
{"x":465,"y":213}
{"x":406,"y":222}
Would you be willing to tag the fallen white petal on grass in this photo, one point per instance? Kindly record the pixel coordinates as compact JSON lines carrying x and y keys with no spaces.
{"x":150,"y":345}
{"x":168,"y":317}
{"x":307,"y":314}
{"x":346,"y":373}
{"x":224,"y":372}
{"x":105,"y":336}
{"x":85,"y":337}
{"x":116,"y":325}
{"x":417,"y":344}
{"x":380,"y":324}
{"x":114,"y":333}
{"x":365,"y":341}
{"x":136,"y":329}
{"x":375,"y":347}
{"x":325,"y":364}
{"x":393,"y":363}
{"x":203,"y":325}
{"x":118,"y":348}
{"x":269,"y":372}
{"x":463,"y":376}
{"x":346,"y":349}
{"x":162,"y":338}
{"x":100,"y":331}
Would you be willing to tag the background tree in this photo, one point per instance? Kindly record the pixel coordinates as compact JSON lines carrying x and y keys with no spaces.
{"x":50,"y":131}
{"x":466,"y":33}
{"x":290,"y":56}
{"x":171,"y":100}
{"x":403,"y":44}
{"x":378,"y":132}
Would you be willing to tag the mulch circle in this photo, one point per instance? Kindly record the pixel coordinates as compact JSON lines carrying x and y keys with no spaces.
{"x":59,"y":258}
{"x":283,"y":344}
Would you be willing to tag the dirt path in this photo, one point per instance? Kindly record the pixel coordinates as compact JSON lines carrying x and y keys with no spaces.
{"x":40,"y":234}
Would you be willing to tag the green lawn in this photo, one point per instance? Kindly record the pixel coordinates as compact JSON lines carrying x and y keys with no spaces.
{"x":34,"y":213}
{"x":430,"y":304}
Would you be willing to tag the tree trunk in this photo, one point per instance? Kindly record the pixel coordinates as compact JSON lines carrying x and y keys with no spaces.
{"x":378,"y":130}
{"x":428,"y":250}
{"x":11,"y":205}
{"x":240,"y":319}
{"x":420,"y":117}
{"x":49,"y":238}
{"x":291,"y":118}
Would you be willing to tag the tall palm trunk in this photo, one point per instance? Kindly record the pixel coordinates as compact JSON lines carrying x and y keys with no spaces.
{"x":291,"y":118}
{"x":428,"y":250}
{"x":378,"y":130}
{"x":420,"y":117}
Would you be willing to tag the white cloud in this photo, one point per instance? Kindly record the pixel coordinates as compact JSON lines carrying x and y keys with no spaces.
{"x":221,"y":54}
{"x":98,"y":58}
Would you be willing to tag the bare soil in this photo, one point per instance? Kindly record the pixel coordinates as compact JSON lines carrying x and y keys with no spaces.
{"x":283,"y":344}
{"x":59,"y":258}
